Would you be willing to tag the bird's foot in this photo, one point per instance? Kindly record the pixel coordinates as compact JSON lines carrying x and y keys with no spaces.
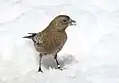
{"x":40,"y":70}
{"x":59,"y":67}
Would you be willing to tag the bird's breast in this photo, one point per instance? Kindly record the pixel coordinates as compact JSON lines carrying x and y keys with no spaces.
{"x":57,"y":41}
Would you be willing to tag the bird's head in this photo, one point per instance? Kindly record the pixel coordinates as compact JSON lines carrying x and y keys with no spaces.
{"x":61,"y":22}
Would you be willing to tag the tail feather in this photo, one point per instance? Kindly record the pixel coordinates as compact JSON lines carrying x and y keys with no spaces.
{"x":30,"y":36}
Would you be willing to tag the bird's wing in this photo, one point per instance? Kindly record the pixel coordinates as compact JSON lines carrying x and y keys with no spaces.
{"x":38,"y":38}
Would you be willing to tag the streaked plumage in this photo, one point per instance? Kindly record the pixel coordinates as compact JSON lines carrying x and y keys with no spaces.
{"x":51,"y":40}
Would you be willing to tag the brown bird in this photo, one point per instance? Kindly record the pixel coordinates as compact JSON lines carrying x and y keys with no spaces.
{"x":51,"y":40}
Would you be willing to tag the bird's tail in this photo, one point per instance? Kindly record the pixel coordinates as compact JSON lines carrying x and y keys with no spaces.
{"x":30,"y":36}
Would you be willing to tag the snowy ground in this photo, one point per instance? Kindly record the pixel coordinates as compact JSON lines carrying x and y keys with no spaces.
{"x":91,"y":54}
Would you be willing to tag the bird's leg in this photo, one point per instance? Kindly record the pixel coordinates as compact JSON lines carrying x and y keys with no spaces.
{"x":40,"y":70}
{"x":55,"y":57}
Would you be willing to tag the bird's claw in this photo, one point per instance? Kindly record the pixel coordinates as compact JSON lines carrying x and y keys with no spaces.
{"x":40,"y":70}
{"x":60,"y":68}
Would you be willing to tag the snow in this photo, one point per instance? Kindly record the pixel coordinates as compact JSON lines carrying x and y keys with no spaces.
{"x":89,"y":56}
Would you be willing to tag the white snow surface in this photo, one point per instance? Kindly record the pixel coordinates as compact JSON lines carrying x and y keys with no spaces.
{"x":90,"y":55}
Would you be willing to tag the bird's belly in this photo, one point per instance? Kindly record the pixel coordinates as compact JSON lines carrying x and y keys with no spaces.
{"x":58,"y":48}
{"x":58,"y":45}
{"x":49,"y":50}
{"x":54,"y":49}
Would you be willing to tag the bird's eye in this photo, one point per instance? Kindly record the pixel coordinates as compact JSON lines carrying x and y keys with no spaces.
{"x":64,"y":20}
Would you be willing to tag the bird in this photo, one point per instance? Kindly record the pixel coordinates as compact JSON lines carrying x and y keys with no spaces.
{"x":52,"y":39}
